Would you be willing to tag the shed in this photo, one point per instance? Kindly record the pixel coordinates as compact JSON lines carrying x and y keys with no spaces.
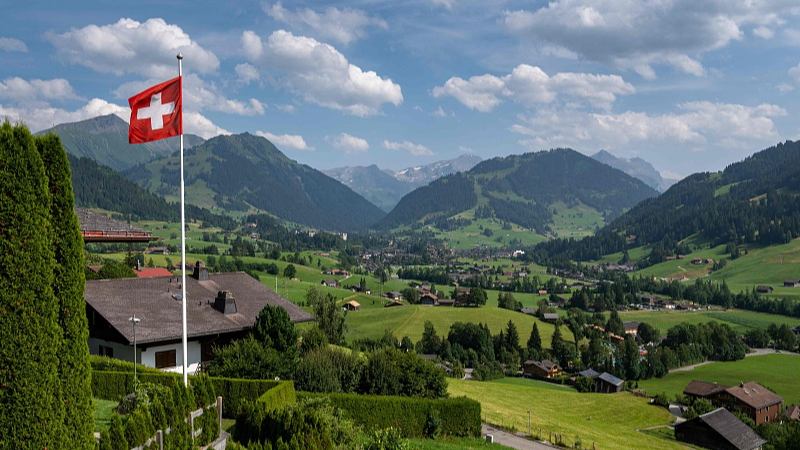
{"x":719,"y":430}
{"x":605,"y":383}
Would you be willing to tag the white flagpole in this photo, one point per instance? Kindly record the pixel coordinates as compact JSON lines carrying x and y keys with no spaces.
{"x":183,"y":248}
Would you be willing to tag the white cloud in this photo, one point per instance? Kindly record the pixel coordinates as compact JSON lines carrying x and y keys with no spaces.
{"x":697,"y":125}
{"x":439,"y":112}
{"x":530,"y":85}
{"x":764,"y":32}
{"x":321,"y":74}
{"x":196,"y":123}
{"x":291,"y":109}
{"x":129,"y":46}
{"x":349,"y":144}
{"x":247,"y":73}
{"x":294,"y":141}
{"x":794,"y":72}
{"x":784,"y":87}
{"x":21,"y":90}
{"x":44,"y":117}
{"x":465,"y":149}
{"x":447,"y":4}
{"x":12,"y":45}
{"x":414,"y":149}
{"x":669,"y":175}
{"x":199,"y":95}
{"x":635,"y":34}
{"x":341,"y":25}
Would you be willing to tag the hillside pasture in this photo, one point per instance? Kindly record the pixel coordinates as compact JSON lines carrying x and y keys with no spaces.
{"x":777,"y":372}
{"x":609,"y":420}
{"x":739,"y":320}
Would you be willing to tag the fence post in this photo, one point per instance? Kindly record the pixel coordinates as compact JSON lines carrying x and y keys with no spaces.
{"x":219,"y":414}
{"x":160,"y":439}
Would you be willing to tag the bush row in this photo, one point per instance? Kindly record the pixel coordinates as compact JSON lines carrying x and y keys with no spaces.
{"x":278,"y":396}
{"x":234,"y":391}
{"x":458,"y":416}
{"x":107,"y":364}
{"x":115,"y":385}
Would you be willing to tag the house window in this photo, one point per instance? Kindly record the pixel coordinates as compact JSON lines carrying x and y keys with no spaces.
{"x":106,"y":351}
{"x":165,"y":359}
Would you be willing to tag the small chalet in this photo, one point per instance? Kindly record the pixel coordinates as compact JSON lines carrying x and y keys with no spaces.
{"x":631,"y":328}
{"x":541,"y":369}
{"x":329,"y":283}
{"x":791,"y":283}
{"x":703,"y":389}
{"x":605,"y":383}
{"x":719,"y":430}
{"x":550,"y":317}
{"x":394,"y":295}
{"x":528,"y":310}
{"x":352,"y":306}
{"x":394,"y":303}
{"x":220,"y":307}
{"x":445,"y":302}
{"x":157,"y":251}
{"x":764,"y":289}
{"x":428,"y":299}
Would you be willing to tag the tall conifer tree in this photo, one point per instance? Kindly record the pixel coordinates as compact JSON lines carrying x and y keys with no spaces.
{"x":31,"y":411}
{"x":68,"y":285}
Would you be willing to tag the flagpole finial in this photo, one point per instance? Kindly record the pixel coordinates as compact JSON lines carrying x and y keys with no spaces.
{"x":180,"y":56}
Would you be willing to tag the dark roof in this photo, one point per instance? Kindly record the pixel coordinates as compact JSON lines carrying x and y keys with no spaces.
{"x":156,"y":301}
{"x":96,"y":227}
{"x":730,"y":428}
{"x":793,"y":412}
{"x":546,"y":365}
{"x":629,"y":325}
{"x":446,"y":301}
{"x":589,"y":373}
{"x":528,"y":310}
{"x":551,"y":316}
{"x":754,"y":395}
{"x":703,"y":388}
{"x":608,"y":378}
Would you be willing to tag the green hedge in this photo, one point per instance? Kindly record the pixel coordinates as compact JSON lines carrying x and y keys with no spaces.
{"x":234,"y":391}
{"x":278,"y":396}
{"x":459,"y":416}
{"x":107,"y":364}
{"x":115,"y":385}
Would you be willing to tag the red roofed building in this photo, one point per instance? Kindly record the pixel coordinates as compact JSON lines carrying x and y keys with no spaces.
{"x":152,"y":272}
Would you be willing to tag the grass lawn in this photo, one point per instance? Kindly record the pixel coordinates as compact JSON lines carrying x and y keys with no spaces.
{"x":739,"y":320}
{"x":777,"y":372}
{"x":102,"y":413}
{"x":610,"y":420}
{"x":410,"y":320}
{"x":453,"y":444}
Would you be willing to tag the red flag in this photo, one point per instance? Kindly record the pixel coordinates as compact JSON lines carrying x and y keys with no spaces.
{"x":157,"y":112}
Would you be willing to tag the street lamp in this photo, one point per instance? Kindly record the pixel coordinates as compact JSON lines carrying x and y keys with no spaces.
{"x":134,"y":320}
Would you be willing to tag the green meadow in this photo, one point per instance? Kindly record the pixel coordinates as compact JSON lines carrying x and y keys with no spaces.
{"x":777,"y":372}
{"x":739,"y":320}
{"x":609,"y":420}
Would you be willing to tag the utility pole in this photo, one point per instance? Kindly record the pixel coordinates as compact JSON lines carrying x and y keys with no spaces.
{"x":134,"y":320}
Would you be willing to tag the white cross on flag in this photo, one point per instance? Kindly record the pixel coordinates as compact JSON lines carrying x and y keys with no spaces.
{"x":157,"y":112}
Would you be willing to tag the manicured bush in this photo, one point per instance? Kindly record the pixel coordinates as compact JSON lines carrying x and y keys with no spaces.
{"x":278,"y":396}
{"x":68,"y":284}
{"x":107,"y":364}
{"x":115,"y":385}
{"x":458,"y":416}
{"x":234,"y":392}
{"x":31,"y":405}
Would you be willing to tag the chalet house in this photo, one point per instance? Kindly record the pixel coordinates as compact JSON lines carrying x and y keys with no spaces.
{"x":394,"y":295}
{"x":329,"y":283}
{"x":429,"y":299}
{"x":541,"y":369}
{"x":528,"y":310}
{"x":631,"y":328}
{"x":394,"y":303}
{"x":542,"y":292}
{"x":719,"y":430}
{"x":697,"y":261}
{"x":758,"y":402}
{"x":352,"y":306}
{"x":605,"y":383}
{"x":550,"y":317}
{"x":445,"y":302}
{"x":791,"y":283}
{"x":649,"y":300}
{"x":157,"y":251}
{"x":220,"y":307}
{"x":764,"y":289}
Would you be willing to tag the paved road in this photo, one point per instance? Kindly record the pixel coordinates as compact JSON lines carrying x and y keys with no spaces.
{"x":512,"y":440}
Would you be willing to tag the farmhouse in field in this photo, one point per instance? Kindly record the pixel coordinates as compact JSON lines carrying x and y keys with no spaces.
{"x":550,"y":317}
{"x":329,"y":283}
{"x":352,"y":305}
{"x":605,"y":383}
{"x":220,"y":307}
{"x":631,"y":328}
{"x":719,"y":430}
{"x":428,"y":299}
{"x":791,"y":283}
{"x":541,"y":369}
{"x":758,"y":402}
{"x":764,"y":289}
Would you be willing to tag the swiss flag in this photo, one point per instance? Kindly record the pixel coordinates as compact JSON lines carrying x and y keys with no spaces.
{"x":157,"y":112}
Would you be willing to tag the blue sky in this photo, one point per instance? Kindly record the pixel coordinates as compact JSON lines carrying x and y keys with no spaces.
{"x":686,"y":85}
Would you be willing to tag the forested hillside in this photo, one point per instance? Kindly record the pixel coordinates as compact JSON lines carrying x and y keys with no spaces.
{"x":240,"y":171}
{"x":98,"y":186}
{"x":752,"y":201}
{"x":522,"y":189}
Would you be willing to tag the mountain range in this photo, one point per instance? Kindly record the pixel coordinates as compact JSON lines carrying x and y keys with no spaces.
{"x":105,"y":140}
{"x":522,"y":189}
{"x":247,"y":173}
{"x":385,"y":187}
{"x":637,"y":168}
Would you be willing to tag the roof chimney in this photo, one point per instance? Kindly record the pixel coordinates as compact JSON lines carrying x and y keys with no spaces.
{"x":225,"y":303}
{"x":200,"y":271}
